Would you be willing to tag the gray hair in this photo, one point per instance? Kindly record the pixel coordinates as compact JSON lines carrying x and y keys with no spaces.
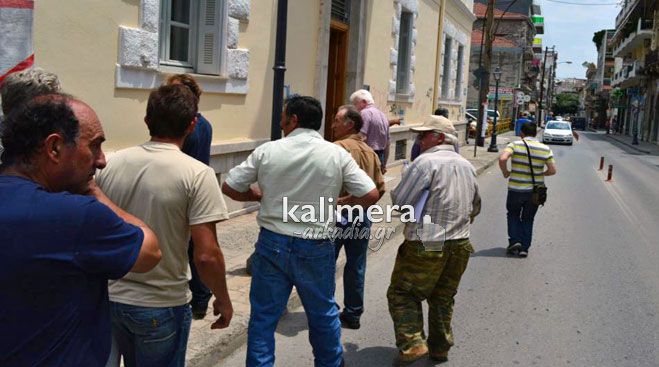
{"x":362,"y":95}
{"x":20,"y":87}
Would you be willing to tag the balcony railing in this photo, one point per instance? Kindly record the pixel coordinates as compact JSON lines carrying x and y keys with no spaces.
{"x":627,"y":7}
{"x":628,"y":72}
{"x":643,"y":31}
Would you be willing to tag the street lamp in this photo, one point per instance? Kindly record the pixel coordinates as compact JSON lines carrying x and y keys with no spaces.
{"x":493,"y":140}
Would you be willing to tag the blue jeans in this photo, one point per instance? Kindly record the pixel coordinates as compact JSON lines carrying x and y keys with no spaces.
{"x":201,"y":295}
{"x":279,"y":263}
{"x":355,"y":268}
{"x":521,"y":212}
{"x":150,"y":336}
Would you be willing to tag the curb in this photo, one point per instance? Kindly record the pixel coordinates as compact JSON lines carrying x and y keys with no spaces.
{"x":621,"y":141}
{"x":228,"y":343}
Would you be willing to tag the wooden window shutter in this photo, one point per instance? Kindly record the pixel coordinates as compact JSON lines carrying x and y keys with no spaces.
{"x":209,"y":37}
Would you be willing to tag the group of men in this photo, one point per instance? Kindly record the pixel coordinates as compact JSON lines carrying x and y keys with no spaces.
{"x":96,"y":252}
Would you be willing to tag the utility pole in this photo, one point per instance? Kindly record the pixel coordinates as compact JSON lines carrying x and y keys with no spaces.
{"x":485,"y":74}
{"x":550,"y":85}
{"x":542,"y":86}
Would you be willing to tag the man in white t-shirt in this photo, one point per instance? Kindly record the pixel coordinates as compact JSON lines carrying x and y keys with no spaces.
{"x":179,"y":198}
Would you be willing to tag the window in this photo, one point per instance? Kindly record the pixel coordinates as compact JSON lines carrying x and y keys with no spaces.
{"x":192,"y":35}
{"x":446,"y":73}
{"x":404,"y":53}
{"x":341,"y":11}
{"x":460,"y":72}
{"x":401,"y":149}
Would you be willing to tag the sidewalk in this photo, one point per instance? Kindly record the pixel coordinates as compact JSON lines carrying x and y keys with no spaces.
{"x":237,"y":237}
{"x":643,"y":146}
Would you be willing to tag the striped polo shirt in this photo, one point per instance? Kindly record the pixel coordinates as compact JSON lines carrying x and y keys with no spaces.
{"x":520,"y":176}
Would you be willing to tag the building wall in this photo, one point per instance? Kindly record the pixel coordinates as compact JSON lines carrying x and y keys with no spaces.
{"x":84,"y":42}
{"x":457,"y":26}
{"x":381,"y":53}
{"x":79,"y":41}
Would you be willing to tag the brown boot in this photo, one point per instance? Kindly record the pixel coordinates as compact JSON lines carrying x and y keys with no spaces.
{"x":413,"y":354}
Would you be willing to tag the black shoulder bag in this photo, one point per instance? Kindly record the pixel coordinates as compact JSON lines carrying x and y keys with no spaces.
{"x":539,"y":196}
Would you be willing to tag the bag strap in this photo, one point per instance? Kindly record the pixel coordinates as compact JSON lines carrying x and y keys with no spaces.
{"x":528,"y":154}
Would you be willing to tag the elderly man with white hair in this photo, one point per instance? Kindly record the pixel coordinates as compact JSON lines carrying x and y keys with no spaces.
{"x":21,"y":87}
{"x":376,"y":125}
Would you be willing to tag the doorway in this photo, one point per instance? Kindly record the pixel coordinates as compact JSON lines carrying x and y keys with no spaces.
{"x":336,"y":73}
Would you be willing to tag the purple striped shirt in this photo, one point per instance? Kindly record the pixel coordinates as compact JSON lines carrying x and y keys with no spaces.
{"x":376,"y":127}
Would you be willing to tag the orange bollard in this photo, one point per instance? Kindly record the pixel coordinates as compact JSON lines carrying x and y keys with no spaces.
{"x":601,"y":163}
{"x":610,"y":174}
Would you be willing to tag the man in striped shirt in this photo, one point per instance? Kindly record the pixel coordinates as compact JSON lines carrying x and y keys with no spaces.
{"x":431,"y":261}
{"x":521,"y":209}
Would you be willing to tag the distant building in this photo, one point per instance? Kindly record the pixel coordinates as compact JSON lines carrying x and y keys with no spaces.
{"x":634,"y":45}
{"x":570,"y":85}
{"x":512,"y":51}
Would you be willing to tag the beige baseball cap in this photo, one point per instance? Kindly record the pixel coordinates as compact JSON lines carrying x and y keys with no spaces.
{"x":436,"y":123}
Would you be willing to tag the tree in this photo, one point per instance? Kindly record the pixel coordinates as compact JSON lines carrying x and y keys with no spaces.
{"x":566,"y":103}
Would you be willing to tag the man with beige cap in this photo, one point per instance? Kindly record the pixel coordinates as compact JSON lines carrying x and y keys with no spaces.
{"x":433,"y":257}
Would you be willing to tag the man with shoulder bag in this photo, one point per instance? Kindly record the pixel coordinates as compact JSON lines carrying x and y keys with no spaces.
{"x":526,"y":186}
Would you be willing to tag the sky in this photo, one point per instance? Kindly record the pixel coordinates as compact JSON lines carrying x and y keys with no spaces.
{"x":571,"y":27}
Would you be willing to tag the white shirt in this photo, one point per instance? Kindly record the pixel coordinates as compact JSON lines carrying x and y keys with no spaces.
{"x":303,"y":168}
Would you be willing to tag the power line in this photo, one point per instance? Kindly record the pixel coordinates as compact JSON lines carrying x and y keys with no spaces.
{"x":584,"y":4}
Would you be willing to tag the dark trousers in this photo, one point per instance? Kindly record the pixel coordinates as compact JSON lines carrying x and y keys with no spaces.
{"x":380,"y":154}
{"x":521,"y":212}
{"x":354,"y":271}
{"x":201,"y":295}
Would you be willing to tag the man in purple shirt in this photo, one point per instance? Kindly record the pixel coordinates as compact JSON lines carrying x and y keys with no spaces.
{"x":376,"y":125}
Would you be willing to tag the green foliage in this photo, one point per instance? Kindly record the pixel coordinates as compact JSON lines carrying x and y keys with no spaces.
{"x":566,"y":103}
{"x":598,"y":37}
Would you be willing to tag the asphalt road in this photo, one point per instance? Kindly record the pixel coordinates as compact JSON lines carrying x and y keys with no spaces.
{"x":587,"y":295}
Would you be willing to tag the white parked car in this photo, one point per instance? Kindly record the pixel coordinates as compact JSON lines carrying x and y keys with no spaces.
{"x":557,"y":132}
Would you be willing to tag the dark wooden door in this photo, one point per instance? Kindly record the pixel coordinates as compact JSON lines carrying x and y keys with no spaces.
{"x":336,"y":73}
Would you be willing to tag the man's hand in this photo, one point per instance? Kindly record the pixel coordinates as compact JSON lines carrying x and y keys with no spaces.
{"x":383,"y":169}
{"x":225,"y":310}
{"x":92,"y":189}
{"x":505,"y":173}
{"x":256,"y":194}
{"x":253,"y":194}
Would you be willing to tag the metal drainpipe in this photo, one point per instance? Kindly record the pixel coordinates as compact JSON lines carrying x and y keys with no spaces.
{"x":280,"y":70}
{"x":440,"y":44}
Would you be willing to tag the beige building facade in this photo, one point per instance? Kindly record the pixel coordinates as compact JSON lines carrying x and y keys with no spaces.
{"x":411,"y":54}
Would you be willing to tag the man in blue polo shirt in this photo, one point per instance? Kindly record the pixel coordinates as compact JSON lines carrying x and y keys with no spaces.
{"x":61,"y":238}
{"x":198,"y":146}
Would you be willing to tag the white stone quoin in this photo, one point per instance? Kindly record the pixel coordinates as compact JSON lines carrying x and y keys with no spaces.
{"x":138,"y":55}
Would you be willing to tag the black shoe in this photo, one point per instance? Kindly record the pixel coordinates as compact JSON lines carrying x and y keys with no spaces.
{"x":347,"y":323}
{"x":512,"y":249}
{"x":199,"y":312}
{"x":523,"y":253}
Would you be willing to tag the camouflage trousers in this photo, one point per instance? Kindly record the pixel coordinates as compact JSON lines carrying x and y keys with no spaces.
{"x":426,"y":275}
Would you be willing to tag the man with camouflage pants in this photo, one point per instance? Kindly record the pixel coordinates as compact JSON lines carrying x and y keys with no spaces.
{"x":434,"y":256}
